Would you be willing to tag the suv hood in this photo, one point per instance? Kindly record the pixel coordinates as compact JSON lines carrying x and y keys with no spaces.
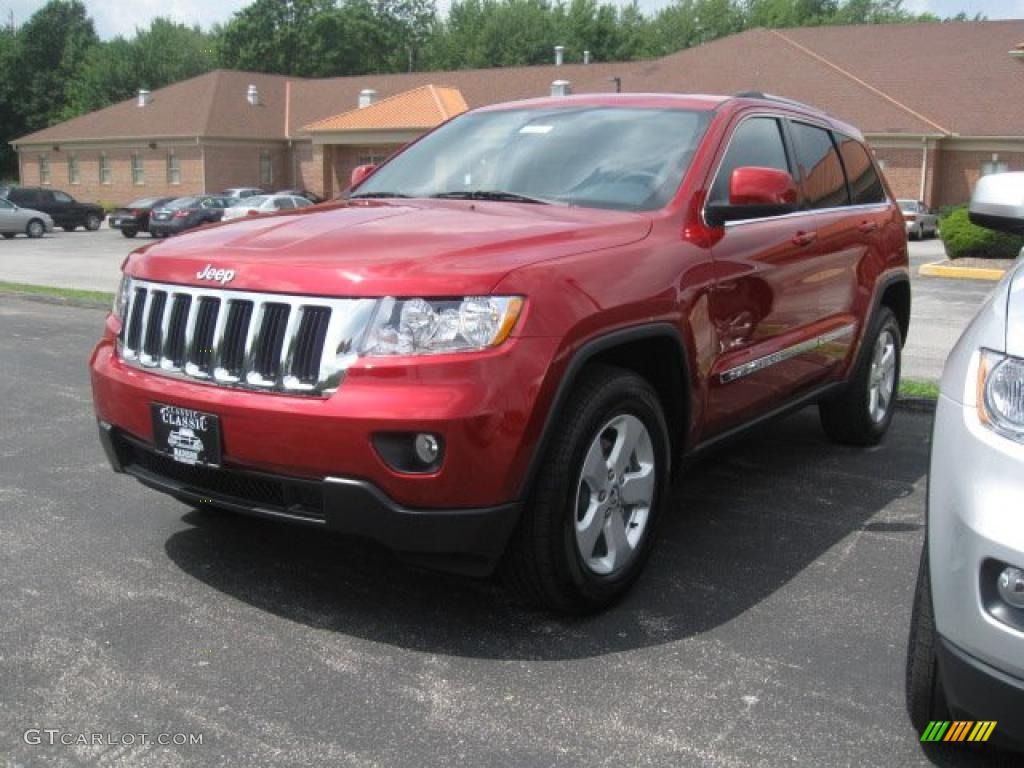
{"x":422,"y":247}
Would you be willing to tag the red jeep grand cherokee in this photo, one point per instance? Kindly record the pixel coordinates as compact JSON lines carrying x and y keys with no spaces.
{"x":496,"y":350}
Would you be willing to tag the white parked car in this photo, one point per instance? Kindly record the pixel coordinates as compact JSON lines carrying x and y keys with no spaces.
{"x":261,"y":204}
{"x":15,"y":220}
{"x":920,"y":220}
{"x":966,"y":654}
{"x":240,"y":192}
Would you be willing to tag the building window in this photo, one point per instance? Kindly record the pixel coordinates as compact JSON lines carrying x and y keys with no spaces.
{"x":371,"y":157}
{"x":173,"y":169}
{"x":996,"y":166}
{"x":74,"y":177}
{"x":138,"y":172}
{"x":44,"y":169}
{"x":104,"y":168}
{"x":266,"y":169}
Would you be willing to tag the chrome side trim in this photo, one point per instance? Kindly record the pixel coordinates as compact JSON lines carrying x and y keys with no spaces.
{"x":348,"y":321}
{"x":759,"y":364}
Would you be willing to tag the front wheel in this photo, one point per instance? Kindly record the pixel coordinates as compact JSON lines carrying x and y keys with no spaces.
{"x":862,"y":412}
{"x":925,"y":698}
{"x":35,"y":229}
{"x":8,"y":235}
{"x":93,"y":222}
{"x":588,"y":527}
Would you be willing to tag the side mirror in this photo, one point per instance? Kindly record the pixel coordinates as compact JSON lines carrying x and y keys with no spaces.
{"x":998,"y":203}
{"x":360,"y":172}
{"x":755,"y":193}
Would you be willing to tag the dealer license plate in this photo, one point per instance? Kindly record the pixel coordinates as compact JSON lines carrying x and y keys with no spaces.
{"x":191,"y":437}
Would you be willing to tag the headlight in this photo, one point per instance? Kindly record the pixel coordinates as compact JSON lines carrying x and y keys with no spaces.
{"x":436,"y":326}
{"x":1001,"y":394}
{"x":121,"y":298}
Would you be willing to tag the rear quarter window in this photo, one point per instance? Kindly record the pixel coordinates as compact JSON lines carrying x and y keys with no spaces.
{"x":865,"y":185}
{"x":821,"y":171}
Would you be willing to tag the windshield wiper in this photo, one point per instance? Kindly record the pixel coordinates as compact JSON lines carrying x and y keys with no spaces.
{"x":377,"y":194}
{"x":490,"y":194}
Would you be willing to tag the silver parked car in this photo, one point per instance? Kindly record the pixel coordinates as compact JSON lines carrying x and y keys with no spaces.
{"x":966,"y":654}
{"x":15,"y":220}
{"x":921,"y":221}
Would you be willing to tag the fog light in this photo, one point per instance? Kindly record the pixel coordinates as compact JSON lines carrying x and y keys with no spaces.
{"x":1011,"y":586}
{"x":427,"y":448}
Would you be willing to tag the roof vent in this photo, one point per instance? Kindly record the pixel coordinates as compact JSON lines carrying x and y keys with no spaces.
{"x":559,"y":55}
{"x":253,"y":96}
{"x":561,"y":88}
{"x":586,"y":57}
{"x":145,"y":97}
{"x":366,"y":97}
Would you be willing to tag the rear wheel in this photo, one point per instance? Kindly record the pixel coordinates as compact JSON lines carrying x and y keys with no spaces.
{"x":925,"y":698}
{"x":862,"y":412}
{"x":8,"y":235}
{"x":93,"y":222}
{"x":587,"y":530}
{"x":35,"y":228}
{"x":129,"y":232}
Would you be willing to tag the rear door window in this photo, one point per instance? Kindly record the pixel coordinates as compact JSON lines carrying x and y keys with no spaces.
{"x":821,"y":171}
{"x":757,"y":142}
{"x":60,"y":197}
{"x":865,"y":185}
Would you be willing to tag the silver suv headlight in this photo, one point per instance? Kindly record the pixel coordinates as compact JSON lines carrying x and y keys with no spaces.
{"x":437,"y":326}
{"x":1001,"y":394}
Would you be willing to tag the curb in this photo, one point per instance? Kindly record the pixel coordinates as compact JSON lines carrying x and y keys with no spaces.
{"x":916,"y":404}
{"x":938,"y":269}
{"x":65,"y":301}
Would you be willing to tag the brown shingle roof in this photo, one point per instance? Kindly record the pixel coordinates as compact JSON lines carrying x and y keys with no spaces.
{"x":419,"y":109}
{"x":911,"y":79}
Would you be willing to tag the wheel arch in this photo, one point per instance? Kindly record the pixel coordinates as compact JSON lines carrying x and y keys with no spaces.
{"x":642,"y":349}
{"x":894,"y":293}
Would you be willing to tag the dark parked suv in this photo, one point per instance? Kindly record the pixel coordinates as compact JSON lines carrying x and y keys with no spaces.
{"x":65,"y":211}
{"x":493,"y":354}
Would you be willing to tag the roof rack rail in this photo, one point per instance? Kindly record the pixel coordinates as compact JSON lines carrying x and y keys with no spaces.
{"x":773,"y":97}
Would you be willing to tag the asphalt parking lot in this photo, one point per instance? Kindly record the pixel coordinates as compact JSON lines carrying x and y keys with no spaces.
{"x":941,"y":308}
{"x":769,"y":630}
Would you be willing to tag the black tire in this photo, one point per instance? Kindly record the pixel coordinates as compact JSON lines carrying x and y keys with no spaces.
{"x":129,"y":232}
{"x":93,"y":222}
{"x":925,"y":698}
{"x":8,"y":235}
{"x":543,"y":564}
{"x":847,"y":417}
{"x":69,"y":227}
{"x":35,"y":229}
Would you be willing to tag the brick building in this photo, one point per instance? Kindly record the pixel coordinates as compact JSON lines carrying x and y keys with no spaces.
{"x":940,"y":104}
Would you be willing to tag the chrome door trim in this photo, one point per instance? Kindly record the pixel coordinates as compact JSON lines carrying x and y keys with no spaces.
{"x":809,"y":345}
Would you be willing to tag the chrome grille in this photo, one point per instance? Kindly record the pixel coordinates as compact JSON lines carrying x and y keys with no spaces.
{"x":262,"y":341}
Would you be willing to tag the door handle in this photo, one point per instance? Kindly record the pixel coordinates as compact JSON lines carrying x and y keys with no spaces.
{"x":804,"y":238}
{"x":868,"y":226}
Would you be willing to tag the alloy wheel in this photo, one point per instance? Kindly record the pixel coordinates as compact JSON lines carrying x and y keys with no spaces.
{"x":614,"y":496}
{"x":882,"y":382}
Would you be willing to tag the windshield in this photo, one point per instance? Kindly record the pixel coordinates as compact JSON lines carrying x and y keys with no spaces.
{"x":591,"y":156}
{"x":907,"y":205}
{"x":249,"y":202}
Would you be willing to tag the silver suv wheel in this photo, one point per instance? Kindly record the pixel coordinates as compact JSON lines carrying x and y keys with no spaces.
{"x":614,"y":495}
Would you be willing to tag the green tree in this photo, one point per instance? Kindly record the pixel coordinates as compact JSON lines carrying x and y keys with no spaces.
{"x":273,"y":36}
{"x":52,"y":47}
{"x":11,"y":120}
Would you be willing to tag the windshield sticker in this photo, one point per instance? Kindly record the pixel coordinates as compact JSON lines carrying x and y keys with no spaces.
{"x":536,"y":129}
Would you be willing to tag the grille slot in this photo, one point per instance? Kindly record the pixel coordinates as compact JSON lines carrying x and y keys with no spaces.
{"x":266,"y":342}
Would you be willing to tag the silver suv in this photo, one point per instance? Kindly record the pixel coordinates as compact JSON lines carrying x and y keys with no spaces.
{"x":966,"y":654}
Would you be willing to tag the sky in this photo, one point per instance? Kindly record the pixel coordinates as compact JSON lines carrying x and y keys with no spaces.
{"x":121,"y":17}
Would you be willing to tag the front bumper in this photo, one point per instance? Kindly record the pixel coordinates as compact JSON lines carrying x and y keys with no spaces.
{"x":126,"y":222}
{"x":979,"y":691}
{"x":975,"y":522}
{"x":466,"y":541}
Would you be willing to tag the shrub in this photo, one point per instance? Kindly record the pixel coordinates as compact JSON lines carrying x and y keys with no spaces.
{"x":963,"y":239}
{"x":107,"y":206}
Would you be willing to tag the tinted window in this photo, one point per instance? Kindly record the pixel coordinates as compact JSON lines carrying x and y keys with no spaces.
{"x":5,"y":205}
{"x":757,"y":142}
{"x":283,"y":203}
{"x":60,"y":197}
{"x":865,"y":185}
{"x":823,"y":178}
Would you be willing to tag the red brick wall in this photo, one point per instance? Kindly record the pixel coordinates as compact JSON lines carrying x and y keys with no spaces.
{"x":903,"y":172}
{"x":238,"y":165}
{"x":960,"y":171}
{"x":308,"y":162}
{"x":121,"y":189}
